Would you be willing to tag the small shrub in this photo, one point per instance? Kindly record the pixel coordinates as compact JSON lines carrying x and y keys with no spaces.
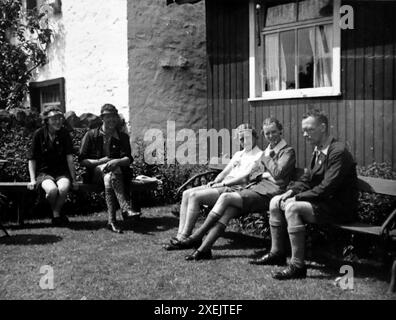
{"x":171,"y":175}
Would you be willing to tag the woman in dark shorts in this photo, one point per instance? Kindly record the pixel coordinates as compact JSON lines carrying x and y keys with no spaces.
{"x":51,"y":164}
{"x":271,"y":178}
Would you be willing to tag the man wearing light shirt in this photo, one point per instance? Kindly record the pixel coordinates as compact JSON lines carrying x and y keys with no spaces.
{"x":326,"y":193}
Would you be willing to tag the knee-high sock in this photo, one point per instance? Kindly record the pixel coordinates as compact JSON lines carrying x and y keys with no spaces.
{"x":182,"y":216}
{"x":278,"y":239}
{"x":119,"y":190}
{"x":215,"y":232}
{"x":111,"y":203}
{"x":209,"y":222}
{"x":297,"y":242}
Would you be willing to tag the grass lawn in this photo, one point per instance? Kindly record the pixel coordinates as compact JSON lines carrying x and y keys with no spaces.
{"x":90,"y":262}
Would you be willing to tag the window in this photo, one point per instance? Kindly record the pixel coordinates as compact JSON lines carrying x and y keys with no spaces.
{"x":298,"y":51}
{"x":47,"y":93}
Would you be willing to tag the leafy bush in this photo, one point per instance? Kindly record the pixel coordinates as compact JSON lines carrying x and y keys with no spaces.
{"x":171,"y":175}
{"x":374,"y":208}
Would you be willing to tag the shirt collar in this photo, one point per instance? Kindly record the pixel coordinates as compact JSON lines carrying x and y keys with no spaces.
{"x":325,"y":148}
{"x":102,"y":133}
{"x":281,"y":144}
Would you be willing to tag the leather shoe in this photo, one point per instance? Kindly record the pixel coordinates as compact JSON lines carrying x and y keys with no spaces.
{"x":199,"y":255}
{"x":130,"y":214}
{"x":182,"y":244}
{"x":291,"y":272}
{"x":113,"y":228}
{"x":270,"y":259}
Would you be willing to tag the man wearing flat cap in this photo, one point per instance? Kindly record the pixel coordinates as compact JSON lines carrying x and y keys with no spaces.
{"x":106,"y":153}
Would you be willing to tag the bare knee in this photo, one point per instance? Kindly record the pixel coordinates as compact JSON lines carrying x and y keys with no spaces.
{"x":292,"y":209}
{"x":274,"y":204}
{"x":225,"y":198}
{"x":52,"y":192}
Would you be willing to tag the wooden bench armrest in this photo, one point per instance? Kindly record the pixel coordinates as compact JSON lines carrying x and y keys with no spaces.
{"x":199,"y":175}
{"x":385,"y":228}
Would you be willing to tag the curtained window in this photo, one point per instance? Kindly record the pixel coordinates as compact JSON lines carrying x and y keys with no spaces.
{"x":298,"y":39}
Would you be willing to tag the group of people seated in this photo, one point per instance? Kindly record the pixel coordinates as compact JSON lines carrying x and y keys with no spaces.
{"x":253,"y":181}
{"x":105,"y":152}
{"x":261,"y":181}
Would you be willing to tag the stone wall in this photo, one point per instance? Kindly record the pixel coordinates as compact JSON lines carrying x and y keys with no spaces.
{"x":167,"y":65}
{"x":90,"y":52}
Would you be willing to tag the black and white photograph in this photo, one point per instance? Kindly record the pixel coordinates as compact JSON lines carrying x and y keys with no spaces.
{"x":195,"y":157}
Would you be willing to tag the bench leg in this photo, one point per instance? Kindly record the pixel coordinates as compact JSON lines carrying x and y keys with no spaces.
{"x":20,"y":210}
{"x":392,"y":285}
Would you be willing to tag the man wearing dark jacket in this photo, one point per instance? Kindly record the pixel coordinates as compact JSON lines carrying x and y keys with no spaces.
{"x":326,"y":193}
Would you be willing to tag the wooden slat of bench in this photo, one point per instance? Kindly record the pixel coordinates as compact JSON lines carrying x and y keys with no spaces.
{"x":377,"y":185}
{"x":361,"y":228}
{"x":14,"y":186}
{"x":135,"y":185}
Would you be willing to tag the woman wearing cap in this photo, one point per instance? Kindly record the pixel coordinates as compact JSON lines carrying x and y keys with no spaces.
{"x":271,"y":178}
{"x":51,"y":164}
{"x":234,"y":175}
{"x":106,"y":153}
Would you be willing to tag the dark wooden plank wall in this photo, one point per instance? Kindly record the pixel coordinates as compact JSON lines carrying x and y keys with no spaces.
{"x":364,"y":116}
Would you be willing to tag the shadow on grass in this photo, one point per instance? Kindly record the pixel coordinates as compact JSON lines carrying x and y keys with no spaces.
{"x":242,"y":241}
{"x":30,"y":239}
{"x":148,"y":225}
{"x":331,"y":266}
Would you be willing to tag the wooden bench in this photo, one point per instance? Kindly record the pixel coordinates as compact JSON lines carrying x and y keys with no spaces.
{"x":386,"y":232}
{"x":20,"y":189}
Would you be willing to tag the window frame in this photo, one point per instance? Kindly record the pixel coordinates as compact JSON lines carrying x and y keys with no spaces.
{"x":256,"y":53}
{"x":35,"y":90}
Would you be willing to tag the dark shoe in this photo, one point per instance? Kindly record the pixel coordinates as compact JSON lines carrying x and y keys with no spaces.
{"x":130,"y":214}
{"x":270,"y":259}
{"x":198,"y":255}
{"x":291,"y":272}
{"x":113,"y":228}
{"x":182,"y":245}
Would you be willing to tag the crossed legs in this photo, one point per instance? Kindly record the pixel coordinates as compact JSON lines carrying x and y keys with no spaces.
{"x":190,"y":208}
{"x":114,"y":193}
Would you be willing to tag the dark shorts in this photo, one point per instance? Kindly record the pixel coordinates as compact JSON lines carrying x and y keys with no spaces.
{"x":55,"y":177}
{"x":329,"y":213}
{"x":253,"y":202}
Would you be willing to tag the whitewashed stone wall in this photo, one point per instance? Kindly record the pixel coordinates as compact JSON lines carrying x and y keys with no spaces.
{"x":167,"y":65}
{"x":90,"y":52}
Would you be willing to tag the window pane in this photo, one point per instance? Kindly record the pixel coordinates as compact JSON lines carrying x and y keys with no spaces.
{"x":271,"y":62}
{"x":311,"y":9}
{"x":306,"y":49}
{"x":280,"y":14}
{"x":50,"y":94}
{"x":287,"y":60}
{"x":324,"y":56}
